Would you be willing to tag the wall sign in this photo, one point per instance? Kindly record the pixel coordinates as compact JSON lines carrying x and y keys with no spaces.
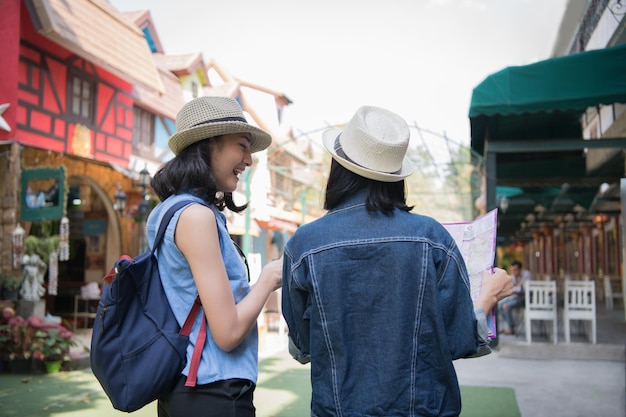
{"x":43,"y":194}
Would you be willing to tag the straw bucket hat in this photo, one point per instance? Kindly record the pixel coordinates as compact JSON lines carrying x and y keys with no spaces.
{"x":372,"y":145}
{"x":207,"y":117}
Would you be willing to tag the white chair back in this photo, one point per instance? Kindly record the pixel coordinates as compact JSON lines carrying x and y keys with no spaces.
{"x":580,"y":304}
{"x":609,"y":294}
{"x":540,"y":305}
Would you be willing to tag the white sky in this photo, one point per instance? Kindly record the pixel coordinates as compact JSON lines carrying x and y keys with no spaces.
{"x":418,"y":58}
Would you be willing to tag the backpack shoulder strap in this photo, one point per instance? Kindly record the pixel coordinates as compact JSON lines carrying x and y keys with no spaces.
{"x":165,"y":221}
{"x":192,"y":377}
{"x":110,"y":276}
{"x":195,"y":308}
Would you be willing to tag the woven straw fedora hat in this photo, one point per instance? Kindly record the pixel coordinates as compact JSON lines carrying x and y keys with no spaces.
{"x":372,"y":145}
{"x":207,"y":117}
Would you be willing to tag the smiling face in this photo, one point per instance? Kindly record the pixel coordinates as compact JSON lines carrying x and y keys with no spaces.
{"x":230,"y":155}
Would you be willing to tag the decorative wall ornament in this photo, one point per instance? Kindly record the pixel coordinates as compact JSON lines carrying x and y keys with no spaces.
{"x":53,"y":273}
{"x":82,"y":141}
{"x":18,"y":245}
{"x":64,"y":239}
{"x":4,"y":125}
{"x":43,"y":194}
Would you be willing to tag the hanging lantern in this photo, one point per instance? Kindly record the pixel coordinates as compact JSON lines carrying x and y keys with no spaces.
{"x":64,"y":239}
{"x":53,"y":272}
{"x":18,"y":245}
{"x":120,"y":199}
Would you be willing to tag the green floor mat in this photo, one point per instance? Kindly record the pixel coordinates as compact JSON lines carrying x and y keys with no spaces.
{"x":283,"y":391}
{"x":488,"y":402}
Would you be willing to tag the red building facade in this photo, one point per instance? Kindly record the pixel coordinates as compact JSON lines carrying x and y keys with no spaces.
{"x":68,"y":108}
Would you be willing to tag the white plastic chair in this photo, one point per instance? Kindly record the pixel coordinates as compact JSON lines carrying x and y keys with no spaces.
{"x":540,"y":305}
{"x":580,"y":304}
{"x":609,"y":294}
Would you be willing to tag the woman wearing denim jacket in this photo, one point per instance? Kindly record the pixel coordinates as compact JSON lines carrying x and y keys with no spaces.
{"x":377,"y":298}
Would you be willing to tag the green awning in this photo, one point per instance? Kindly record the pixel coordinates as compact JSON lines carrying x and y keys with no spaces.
{"x":545,"y":99}
{"x":527,"y":122}
{"x":565,"y":83}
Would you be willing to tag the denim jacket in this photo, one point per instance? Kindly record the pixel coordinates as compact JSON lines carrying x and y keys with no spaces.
{"x":382,"y":305}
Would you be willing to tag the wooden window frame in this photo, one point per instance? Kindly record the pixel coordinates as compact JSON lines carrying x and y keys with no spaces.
{"x":85,"y":103}
{"x":143,"y":136}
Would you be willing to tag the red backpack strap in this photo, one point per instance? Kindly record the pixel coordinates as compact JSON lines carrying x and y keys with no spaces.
{"x":197,"y":350}
{"x":191,"y":317}
{"x":197,"y":354}
{"x":110,"y":277}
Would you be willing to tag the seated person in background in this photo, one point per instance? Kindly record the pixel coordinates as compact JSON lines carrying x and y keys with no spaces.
{"x":506,"y":305}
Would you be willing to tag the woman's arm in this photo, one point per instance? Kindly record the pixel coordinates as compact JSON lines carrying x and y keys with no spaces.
{"x":495,"y":287}
{"x":197,"y":238}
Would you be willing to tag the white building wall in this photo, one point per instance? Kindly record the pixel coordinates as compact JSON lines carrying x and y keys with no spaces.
{"x":602,"y":34}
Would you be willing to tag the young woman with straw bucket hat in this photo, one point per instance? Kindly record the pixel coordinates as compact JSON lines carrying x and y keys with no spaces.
{"x":213,"y":146}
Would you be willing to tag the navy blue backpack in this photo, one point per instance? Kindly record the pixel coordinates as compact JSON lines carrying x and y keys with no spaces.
{"x":138,"y":350}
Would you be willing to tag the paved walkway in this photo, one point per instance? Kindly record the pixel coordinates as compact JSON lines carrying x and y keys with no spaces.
{"x":543,"y":387}
{"x":546,"y":382}
{"x":552,"y":387}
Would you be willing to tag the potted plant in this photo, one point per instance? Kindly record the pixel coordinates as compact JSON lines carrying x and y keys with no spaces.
{"x":41,"y":241}
{"x":22,"y":341}
{"x":16,"y":338}
{"x":10,"y":286}
{"x":52,"y":346}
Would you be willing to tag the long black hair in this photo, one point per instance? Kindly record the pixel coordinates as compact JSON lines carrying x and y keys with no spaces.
{"x":381,"y":196}
{"x":190,"y":172}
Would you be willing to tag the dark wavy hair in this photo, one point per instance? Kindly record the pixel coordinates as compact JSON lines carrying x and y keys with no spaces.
{"x":190,"y":172}
{"x":381,"y":196}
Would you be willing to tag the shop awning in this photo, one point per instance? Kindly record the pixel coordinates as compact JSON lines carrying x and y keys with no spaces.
{"x":96,"y":31}
{"x":278,"y":224}
{"x":527,"y":123}
{"x":546,"y":99}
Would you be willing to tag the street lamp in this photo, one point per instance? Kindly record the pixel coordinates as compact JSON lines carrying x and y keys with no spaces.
{"x":504,"y":204}
{"x":144,"y":205}
{"x":120,"y":199}
{"x":144,"y":177}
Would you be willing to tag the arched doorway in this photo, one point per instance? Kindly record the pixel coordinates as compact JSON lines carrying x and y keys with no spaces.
{"x":95,"y":242}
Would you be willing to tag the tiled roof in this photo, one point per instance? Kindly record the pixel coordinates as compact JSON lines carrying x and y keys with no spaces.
{"x":181,"y":64}
{"x":143,"y":19}
{"x":167,"y":104}
{"x":136,"y":15}
{"x":96,"y":31}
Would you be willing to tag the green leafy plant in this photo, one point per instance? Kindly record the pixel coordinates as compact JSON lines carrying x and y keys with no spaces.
{"x":23,"y":339}
{"x":16,"y":339}
{"x":42,"y":243}
{"x":42,"y":246}
{"x":52,"y":344}
{"x":10,"y":282}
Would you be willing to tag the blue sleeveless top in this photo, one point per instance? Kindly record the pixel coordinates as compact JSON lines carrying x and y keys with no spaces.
{"x":215,"y":365}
